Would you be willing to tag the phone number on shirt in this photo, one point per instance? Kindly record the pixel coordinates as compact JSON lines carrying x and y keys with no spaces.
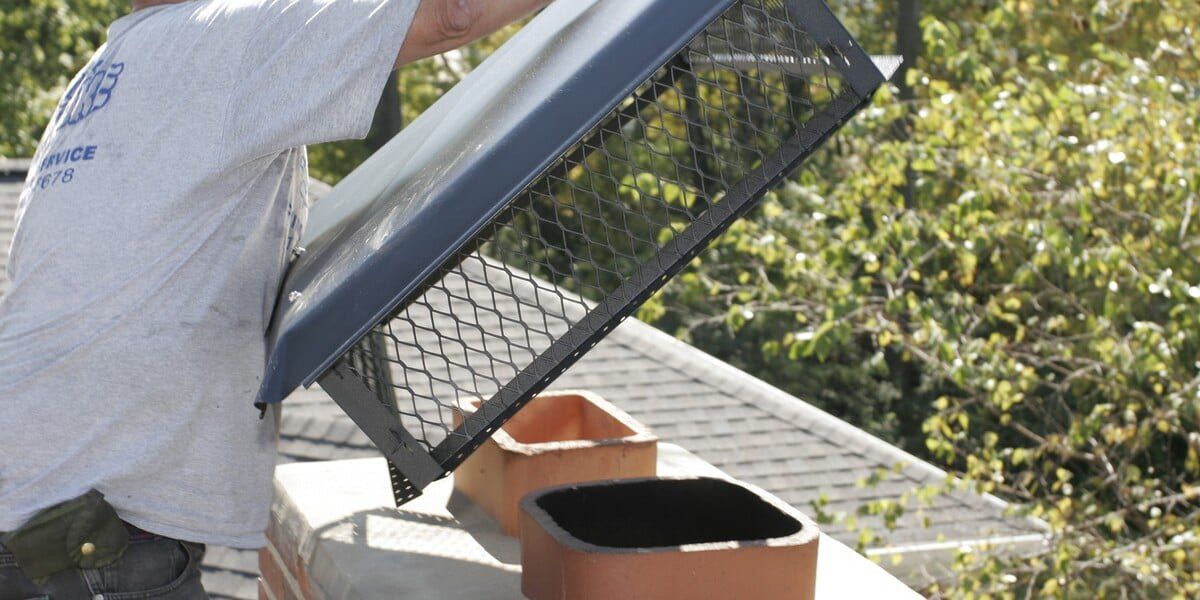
{"x":49,"y":180}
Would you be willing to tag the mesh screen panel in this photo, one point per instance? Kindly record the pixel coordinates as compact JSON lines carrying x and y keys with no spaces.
{"x":596,"y":234}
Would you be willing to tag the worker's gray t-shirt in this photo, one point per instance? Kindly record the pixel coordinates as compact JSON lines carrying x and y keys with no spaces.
{"x":159,"y":214}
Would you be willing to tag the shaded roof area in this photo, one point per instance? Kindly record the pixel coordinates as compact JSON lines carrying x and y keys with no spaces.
{"x":741,"y":424}
{"x":12,"y":177}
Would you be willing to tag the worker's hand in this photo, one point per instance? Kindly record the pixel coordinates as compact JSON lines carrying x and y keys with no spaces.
{"x":443,"y":25}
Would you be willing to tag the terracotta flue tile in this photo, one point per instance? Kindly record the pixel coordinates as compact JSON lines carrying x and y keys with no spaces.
{"x":663,"y":539}
{"x":558,"y":438}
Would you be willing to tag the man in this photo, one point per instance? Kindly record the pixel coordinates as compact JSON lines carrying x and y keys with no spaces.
{"x":160,"y":212}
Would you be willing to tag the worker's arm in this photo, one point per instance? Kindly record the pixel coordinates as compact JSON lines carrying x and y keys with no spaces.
{"x":443,"y":25}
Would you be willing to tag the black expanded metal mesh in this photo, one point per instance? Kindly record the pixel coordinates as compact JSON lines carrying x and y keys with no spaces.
{"x":603,"y":228}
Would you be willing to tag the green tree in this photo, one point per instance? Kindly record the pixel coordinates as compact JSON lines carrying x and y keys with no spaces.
{"x":42,"y":44}
{"x":410,"y":91}
{"x":1027,"y":316}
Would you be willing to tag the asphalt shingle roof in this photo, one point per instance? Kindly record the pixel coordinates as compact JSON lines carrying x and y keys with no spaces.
{"x":741,"y":424}
{"x":12,"y":177}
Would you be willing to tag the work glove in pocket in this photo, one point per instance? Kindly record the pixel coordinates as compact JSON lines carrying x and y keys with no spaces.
{"x":84,"y":532}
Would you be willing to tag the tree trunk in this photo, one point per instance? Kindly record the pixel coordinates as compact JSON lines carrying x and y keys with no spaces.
{"x":389,"y":115}
{"x":908,"y":42}
{"x":909,"y":45}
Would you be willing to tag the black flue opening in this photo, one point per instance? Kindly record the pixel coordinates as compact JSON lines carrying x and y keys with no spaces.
{"x":666,"y":512}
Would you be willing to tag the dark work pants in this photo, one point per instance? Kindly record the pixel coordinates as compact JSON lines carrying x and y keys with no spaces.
{"x":150,"y":569}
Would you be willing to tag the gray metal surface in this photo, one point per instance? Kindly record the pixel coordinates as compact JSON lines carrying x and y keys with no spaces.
{"x":601,"y":150}
{"x":393,"y":221}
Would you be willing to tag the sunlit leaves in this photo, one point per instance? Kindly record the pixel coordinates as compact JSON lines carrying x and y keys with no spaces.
{"x":1036,"y":301}
{"x":42,"y":44}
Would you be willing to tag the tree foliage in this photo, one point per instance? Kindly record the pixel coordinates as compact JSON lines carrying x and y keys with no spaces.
{"x":1027,"y":317}
{"x":421,"y":84}
{"x":42,"y":44}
